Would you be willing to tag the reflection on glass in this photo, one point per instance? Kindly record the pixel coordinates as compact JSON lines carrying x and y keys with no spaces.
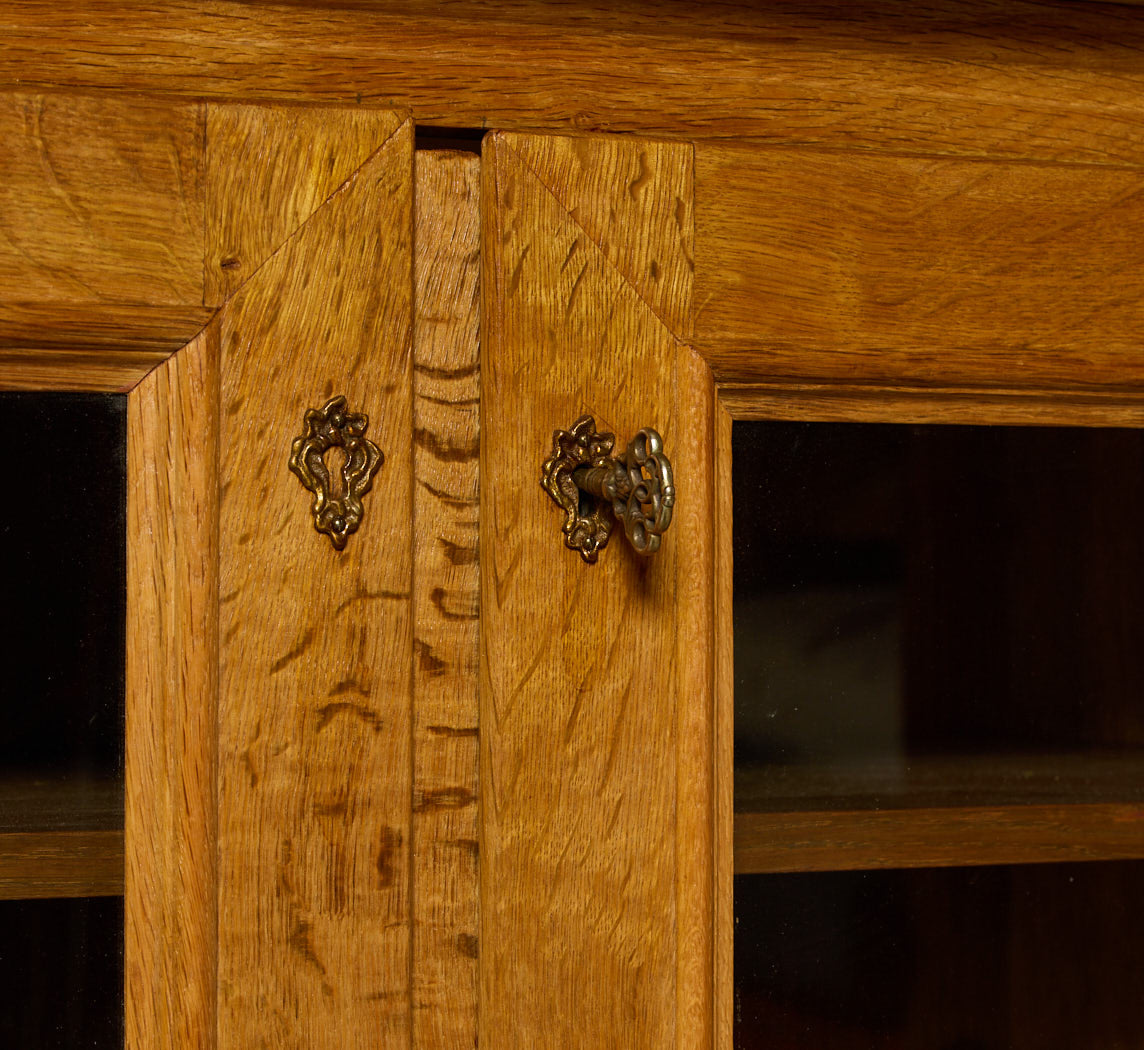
{"x":994,"y":958}
{"x":907,"y":591}
{"x":62,"y":563}
{"x":61,"y":965}
{"x":62,"y":649}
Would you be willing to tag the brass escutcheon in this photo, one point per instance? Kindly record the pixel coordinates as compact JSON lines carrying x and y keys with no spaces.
{"x":595,"y":488}
{"x":337,"y":509}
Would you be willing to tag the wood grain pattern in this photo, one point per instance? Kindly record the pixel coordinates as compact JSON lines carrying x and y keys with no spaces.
{"x":446,"y":694}
{"x":267,"y":169}
{"x":102,"y":200}
{"x":647,"y":236}
{"x":316,"y":644}
{"x":100,"y":328}
{"x":1106,"y":774}
{"x":36,"y":369}
{"x":583,"y":848}
{"x":172,"y":688}
{"x":693,"y":453}
{"x":723,"y":756}
{"x":61,"y":864}
{"x":944,"y":837}
{"x":981,"y":77}
{"x":851,"y":269}
{"x":875,"y":403}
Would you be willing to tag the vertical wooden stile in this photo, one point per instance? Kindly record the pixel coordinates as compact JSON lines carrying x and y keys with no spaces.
{"x":172,"y":685}
{"x":315,"y":643}
{"x":596,"y":680}
{"x":446,"y":425}
{"x":724,"y":738}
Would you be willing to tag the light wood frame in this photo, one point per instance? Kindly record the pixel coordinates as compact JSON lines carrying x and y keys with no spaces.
{"x":600,"y":299}
{"x":184,"y":253}
{"x":624,"y":206}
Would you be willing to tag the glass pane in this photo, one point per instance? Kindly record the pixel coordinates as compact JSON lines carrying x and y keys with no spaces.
{"x":918,"y":604}
{"x":62,"y":646}
{"x":1035,"y":957}
{"x":61,"y":971}
{"x":62,"y":617}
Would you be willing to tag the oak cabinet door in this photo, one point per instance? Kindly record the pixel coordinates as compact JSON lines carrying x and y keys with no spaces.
{"x":230,"y":267}
{"x":315,"y":643}
{"x":597,"y":680}
{"x":302,"y":831}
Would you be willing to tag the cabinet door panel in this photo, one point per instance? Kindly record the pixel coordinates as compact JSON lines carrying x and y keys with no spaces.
{"x":268,"y":168}
{"x":172,"y":686}
{"x":596,"y":861}
{"x":315,"y":643}
{"x":445,"y":600}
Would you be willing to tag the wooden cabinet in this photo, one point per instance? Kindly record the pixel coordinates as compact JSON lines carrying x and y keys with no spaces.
{"x":267,"y":789}
{"x":428,"y":791}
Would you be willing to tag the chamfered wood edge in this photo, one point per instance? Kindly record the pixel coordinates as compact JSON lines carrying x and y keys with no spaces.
{"x":697,"y":538}
{"x":953,"y":836}
{"x":170,"y":895}
{"x":31,"y":369}
{"x":112,"y":346}
{"x":688,"y":436}
{"x":263,"y":183}
{"x":983,"y":406}
{"x":724,"y":742}
{"x":319,"y":924}
{"x":666,"y":295}
{"x":69,"y":863}
{"x":169,"y":886}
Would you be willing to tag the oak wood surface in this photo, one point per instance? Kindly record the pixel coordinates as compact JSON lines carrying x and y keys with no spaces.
{"x":816,"y":267}
{"x":316,"y":644}
{"x":35,"y":369}
{"x":877,"y":403}
{"x":101,"y":201}
{"x":694,"y":678}
{"x":935,"y":781}
{"x":268,"y":168}
{"x":932,"y":811}
{"x":170,"y":939}
{"x":125,"y":220}
{"x":822,"y":840}
{"x":446,"y":694}
{"x":38,"y":864}
{"x":586,"y":855}
{"x":1002,"y":78}
{"x":99,"y":328}
{"x":723,"y":755}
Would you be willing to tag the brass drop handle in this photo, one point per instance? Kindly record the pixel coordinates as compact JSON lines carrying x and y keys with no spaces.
{"x":595,"y":488}
{"x":337,"y":508}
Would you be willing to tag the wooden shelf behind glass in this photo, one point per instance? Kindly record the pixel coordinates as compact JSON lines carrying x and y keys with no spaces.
{"x":939,"y":811}
{"x":60,"y":837}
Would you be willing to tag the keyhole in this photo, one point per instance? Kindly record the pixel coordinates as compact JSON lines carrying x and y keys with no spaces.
{"x":335,"y":459}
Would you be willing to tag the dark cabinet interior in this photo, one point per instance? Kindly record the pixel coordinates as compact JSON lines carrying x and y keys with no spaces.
{"x":971,"y":958}
{"x":938,"y":685}
{"x":62,"y":647}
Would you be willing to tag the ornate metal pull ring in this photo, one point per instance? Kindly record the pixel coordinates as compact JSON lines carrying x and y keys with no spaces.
{"x":337,"y":506}
{"x":595,"y":489}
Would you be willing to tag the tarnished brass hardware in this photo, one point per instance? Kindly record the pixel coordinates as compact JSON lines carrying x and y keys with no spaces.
{"x":594,"y":488}
{"x":337,"y":507}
